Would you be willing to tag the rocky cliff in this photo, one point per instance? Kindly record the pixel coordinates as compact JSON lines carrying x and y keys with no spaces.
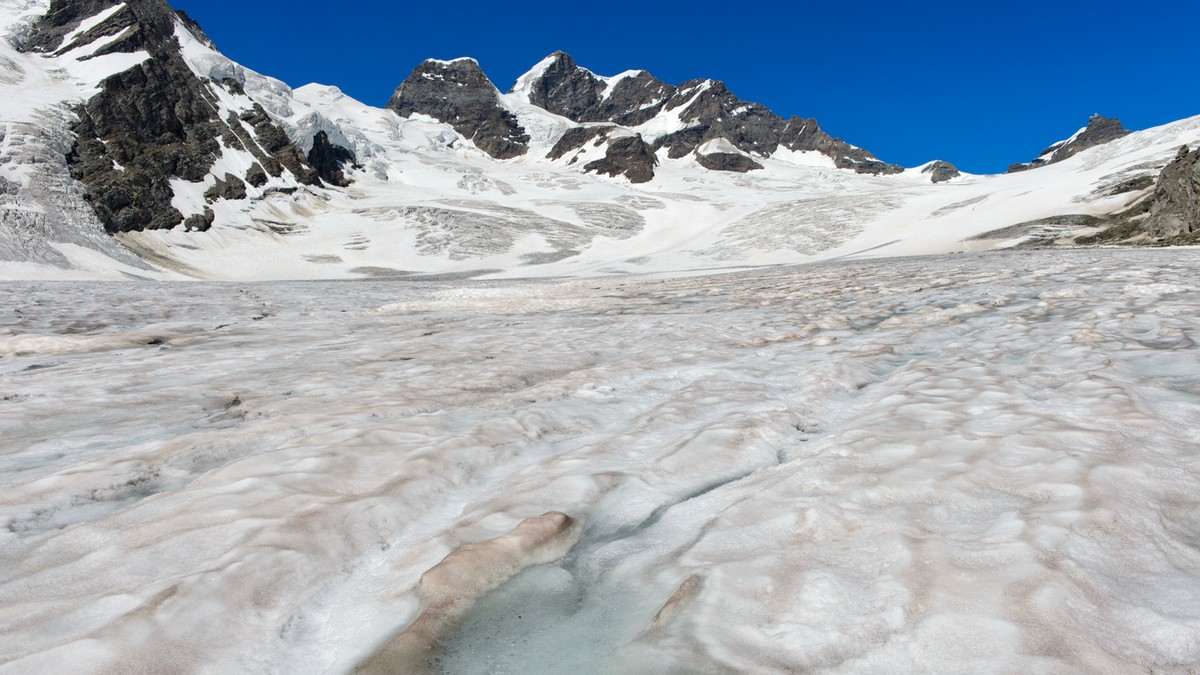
{"x":680,"y":119}
{"x":459,"y":94}
{"x":1168,"y":215}
{"x":158,"y":121}
{"x":705,"y":109}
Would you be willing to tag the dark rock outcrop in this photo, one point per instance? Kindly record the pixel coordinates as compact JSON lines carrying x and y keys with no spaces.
{"x":1174,"y":212}
{"x":805,"y":135}
{"x":256,"y":175}
{"x":459,"y":94}
{"x":200,"y":222}
{"x":328,"y":160}
{"x":229,"y":187}
{"x":151,"y":123}
{"x":627,"y":156}
{"x":727,"y":161}
{"x":940,"y":172}
{"x":707,"y":108}
{"x":1044,"y":231}
{"x":1100,"y":130}
{"x":566,"y":89}
{"x":1169,"y":215}
{"x":274,"y":140}
{"x":577,"y":137}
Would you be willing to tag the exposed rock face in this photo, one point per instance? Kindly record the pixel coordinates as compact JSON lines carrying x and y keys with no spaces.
{"x":634,"y":100}
{"x":727,"y":161}
{"x":198,"y":222}
{"x":153,"y":122}
{"x":806,"y":135}
{"x":1100,"y":130}
{"x":564,"y":88}
{"x":1175,"y":209}
{"x":49,"y":207}
{"x":713,"y":112}
{"x":256,"y":175}
{"x":1169,"y":215}
{"x":229,"y":187}
{"x":577,"y":137}
{"x":707,"y":108}
{"x":275,"y":141}
{"x":459,"y":94}
{"x":940,"y":172}
{"x":328,"y":159}
{"x":628,"y":156}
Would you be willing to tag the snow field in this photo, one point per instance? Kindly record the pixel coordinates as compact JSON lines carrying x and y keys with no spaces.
{"x":945,"y":464}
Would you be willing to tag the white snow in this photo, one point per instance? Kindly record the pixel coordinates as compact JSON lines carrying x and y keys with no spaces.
{"x":523,"y":85}
{"x":941,"y":463}
{"x":670,"y":121}
{"x":972,"y":463}
{"x":91,"y":22}
{"x":1056,"y":146}
{"x":426,"y":200}
{"x":718,"y":146}
{"x":613,"y":81}
{"x":803,"y":158}
{"x":451,"y":61}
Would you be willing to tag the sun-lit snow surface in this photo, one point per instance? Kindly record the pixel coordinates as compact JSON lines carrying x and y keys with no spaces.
{"x":46,"y":228}
{"x":426,"y":200}
{"x":975,"y":463}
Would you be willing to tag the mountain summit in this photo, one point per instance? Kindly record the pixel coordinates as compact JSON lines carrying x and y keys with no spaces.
{"x":459,"y":94}
{"x":130,"y":146}
{"x":1099,"y":130}
{"x":681,"y":118}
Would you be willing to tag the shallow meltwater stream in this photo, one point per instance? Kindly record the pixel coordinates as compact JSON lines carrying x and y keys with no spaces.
{"x":973,"y":463}
{"x":547,"y":620}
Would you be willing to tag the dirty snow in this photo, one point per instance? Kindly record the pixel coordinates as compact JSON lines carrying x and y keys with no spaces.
{"x":972,"y":463}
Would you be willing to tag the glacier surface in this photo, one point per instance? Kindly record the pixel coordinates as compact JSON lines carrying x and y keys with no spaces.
{"x":971,"y":463}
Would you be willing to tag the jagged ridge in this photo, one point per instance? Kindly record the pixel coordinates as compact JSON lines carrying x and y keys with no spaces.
{"x":158,"y":120}
{"x":458,"y":93}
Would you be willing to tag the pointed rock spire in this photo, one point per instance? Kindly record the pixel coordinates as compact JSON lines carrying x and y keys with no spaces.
{"x":459,"y":94}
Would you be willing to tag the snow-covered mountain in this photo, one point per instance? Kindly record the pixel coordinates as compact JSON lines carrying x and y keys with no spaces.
{"x":132,"y":147}
{"x":978,"y":463}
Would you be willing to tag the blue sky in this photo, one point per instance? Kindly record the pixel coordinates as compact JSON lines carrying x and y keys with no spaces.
{"x":979,"y":84}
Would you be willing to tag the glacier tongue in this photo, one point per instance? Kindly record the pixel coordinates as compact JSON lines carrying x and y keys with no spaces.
{"x":977,"y":463}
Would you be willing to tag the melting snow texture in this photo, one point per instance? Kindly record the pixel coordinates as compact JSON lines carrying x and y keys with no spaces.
{"x":956,"y":464}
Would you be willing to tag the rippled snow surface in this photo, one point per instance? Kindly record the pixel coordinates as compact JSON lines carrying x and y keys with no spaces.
{"x":955,"y":464}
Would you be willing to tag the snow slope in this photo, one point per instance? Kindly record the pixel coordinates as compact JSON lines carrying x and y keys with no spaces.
{"x":46,"y":228}
{"x":425,"y":201}
{"x":972,"y":463}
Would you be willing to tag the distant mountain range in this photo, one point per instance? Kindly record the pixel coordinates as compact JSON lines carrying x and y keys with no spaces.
{"x":131,"y":147}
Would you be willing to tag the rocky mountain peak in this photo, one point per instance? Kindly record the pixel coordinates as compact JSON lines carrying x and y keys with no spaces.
{"x":940,"y":171}
{"x":559,"y":85}
{"x":156,"y":121}
{"x":700,"y":111}
{"x":706,"y":109}
{"x":459,"y":94}
{"x":1099,"y":130}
